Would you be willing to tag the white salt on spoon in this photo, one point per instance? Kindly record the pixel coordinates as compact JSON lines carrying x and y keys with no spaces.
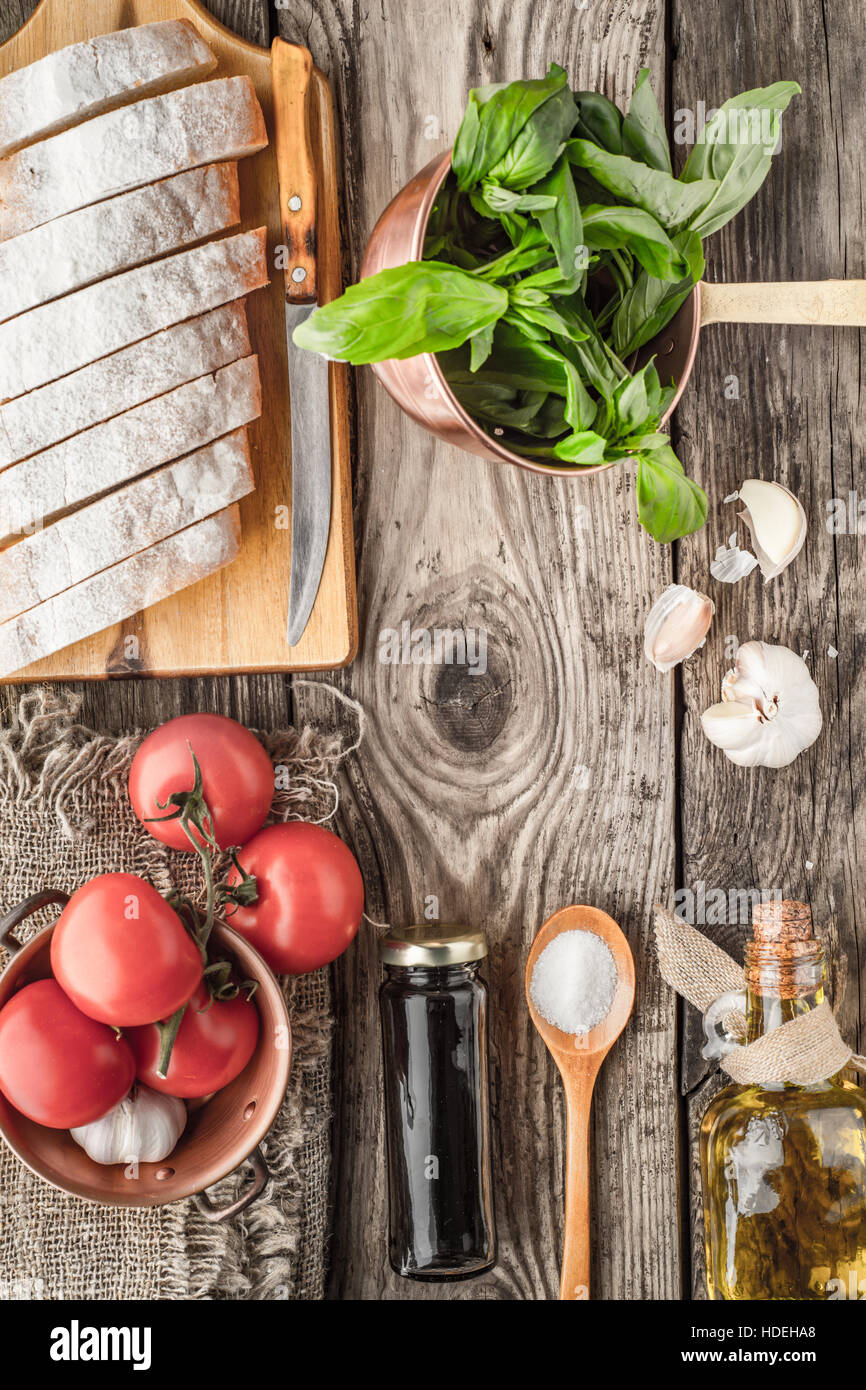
{"x":574,"y":981}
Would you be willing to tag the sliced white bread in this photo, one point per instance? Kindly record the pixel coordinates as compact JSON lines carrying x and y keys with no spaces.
{"x":203,"y":124}
{"x":124,"y":522}
{"x":85,"y":79}
{"x":102,"y":240}
{"x":57,"y":338}
{"x":107,"y":598}
{"x":45,"y":486}
{"x":125,"y":379}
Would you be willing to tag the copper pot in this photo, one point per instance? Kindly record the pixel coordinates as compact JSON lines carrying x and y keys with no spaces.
{"x":220,"y":1135}
{"x":418,"y":384}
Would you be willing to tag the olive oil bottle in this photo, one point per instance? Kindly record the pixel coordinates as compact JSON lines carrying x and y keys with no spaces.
{"x":784,"y":1167}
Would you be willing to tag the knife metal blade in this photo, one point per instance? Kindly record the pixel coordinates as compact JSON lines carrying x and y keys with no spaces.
{"x":311,"y":473}
{"x":309,"y":396}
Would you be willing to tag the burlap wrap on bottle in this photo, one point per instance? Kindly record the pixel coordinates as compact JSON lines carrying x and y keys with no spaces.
{"x":64,"y":817}
{"x":802,"y":1052}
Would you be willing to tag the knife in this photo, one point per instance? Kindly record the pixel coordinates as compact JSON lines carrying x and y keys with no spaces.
{"x":309,"y":396}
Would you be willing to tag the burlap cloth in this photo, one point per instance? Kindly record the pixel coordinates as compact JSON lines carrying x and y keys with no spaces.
{"x":801,"y":1052}
{"x":64,"y":816}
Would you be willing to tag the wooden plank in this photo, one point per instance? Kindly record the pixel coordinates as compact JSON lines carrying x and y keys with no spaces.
{"x":550,"y":778}
{"x":798,"y":416}
{"x":246,"y":603}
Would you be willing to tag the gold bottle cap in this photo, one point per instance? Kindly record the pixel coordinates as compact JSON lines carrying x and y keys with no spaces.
{"x":436,"y":944}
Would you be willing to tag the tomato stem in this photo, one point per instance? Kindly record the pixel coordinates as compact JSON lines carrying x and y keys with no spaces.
{"x":168,"y":1031}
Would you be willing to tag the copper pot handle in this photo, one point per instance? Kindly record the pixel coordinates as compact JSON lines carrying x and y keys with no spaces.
{"x":16,"y":915}
{"x":259,"y":1182}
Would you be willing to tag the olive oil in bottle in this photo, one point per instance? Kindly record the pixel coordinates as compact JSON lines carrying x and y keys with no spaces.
{"x":784,"y":1167}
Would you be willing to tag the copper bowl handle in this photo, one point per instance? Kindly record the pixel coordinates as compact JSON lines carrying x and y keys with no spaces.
{"x":16,"y":915}
{"x":258,"y":1183}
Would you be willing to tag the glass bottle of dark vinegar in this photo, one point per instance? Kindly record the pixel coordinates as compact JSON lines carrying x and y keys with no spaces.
{"x":433,"y":1006}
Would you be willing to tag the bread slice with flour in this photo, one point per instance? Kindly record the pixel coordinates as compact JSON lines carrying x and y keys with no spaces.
{"x":123,"y":523}
{"x":204,"y":124}
{"x":107,"y":598}
{"x":57,"y":338}
{"x":107,"y":238}
{"x":45,"y":486}
{"x":125,"y":379}
{"x":86,"y":79}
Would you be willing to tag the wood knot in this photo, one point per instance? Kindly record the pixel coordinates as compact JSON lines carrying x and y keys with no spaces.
{"x":470,"y":708}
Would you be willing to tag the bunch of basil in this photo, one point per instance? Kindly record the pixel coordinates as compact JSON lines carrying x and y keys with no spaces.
{"x":560,"y":244}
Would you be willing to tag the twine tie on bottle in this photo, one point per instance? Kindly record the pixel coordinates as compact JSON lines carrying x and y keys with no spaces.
{"x":801,"y":1052}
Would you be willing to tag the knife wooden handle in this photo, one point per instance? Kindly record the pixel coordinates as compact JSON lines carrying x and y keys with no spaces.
{"x":292,"y":80}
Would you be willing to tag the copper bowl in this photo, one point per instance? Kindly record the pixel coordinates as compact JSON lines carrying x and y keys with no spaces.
{"x":220,"y":1134}
{"x":418,"y":384}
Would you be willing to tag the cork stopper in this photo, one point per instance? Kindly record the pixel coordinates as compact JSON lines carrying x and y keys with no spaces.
{"x":782,"y":921}
{"x":778,"y":960}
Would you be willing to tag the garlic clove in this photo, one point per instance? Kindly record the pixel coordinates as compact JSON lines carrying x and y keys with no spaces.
{"x":731,"y":726}
{"x":777,"y":523}
{"x":676,"y":626}
{"x":770,"y":710}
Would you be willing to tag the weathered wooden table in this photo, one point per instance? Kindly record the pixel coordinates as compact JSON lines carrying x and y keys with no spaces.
{"x":571,"y":770}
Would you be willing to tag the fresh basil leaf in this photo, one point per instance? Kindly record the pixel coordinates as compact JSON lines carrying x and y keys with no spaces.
{"x":580,"y":407}
{"x":670,"y":505}
{"x":666,"y":199}
{"x":562,"y":225}
{"x":514,"y":411}
{"x":715,"y":152}
{"x":424,"y":306}
{"x":599,"y":120}
{"x":635,"y":229}
{"x":531,"y":251}
{"x":480,"y":345}
{"x":643,"y":131}
{"x":740,"y":164}
{"x":526,"y":321}
{"x":500,"y":199}
{"x":630,"y":402}
{"x":538,"y":146}
{"x":494,"y":118}
{"x":651,"y":303}
{"x":582,"y":447}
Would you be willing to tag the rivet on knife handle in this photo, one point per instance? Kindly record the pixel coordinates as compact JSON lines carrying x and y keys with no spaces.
{"x":292,"y":75}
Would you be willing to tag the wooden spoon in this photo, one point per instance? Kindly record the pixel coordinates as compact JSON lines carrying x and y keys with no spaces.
{"x":579,"y":1058}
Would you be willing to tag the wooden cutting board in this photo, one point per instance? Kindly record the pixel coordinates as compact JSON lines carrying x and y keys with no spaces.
{"x":236,"y":620}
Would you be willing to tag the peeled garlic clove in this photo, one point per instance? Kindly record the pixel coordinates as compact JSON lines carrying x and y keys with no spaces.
{"x":777,"y":522}
{"x":770,"y":711}
{"x":730,"y":566}
{"x":677,"y":624}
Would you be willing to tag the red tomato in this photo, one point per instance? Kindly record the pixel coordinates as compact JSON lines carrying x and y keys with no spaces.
{"x":57,"y":1066}
{"x":310,"y":896}
{"x":122,"y":954}
{"x":237,"y":778}
{"x":212,"y":1047}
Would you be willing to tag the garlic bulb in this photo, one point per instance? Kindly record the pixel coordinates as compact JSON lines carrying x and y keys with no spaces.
{"x":143,"y":1128}
{"x":770,"y":710}
{"x":777,"y":522}
{"x":676,"y":626}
